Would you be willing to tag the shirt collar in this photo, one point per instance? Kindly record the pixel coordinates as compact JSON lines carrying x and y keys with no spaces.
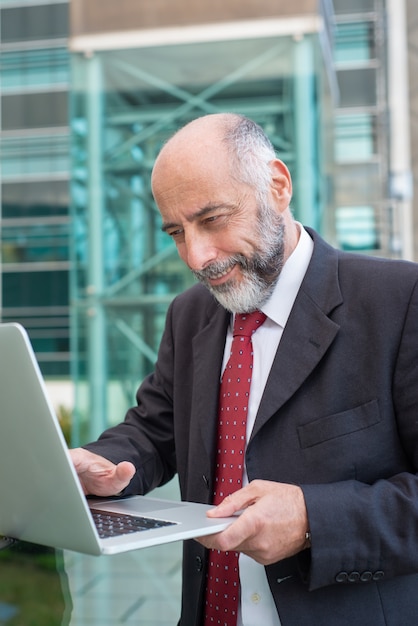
{"x":278,"y":306}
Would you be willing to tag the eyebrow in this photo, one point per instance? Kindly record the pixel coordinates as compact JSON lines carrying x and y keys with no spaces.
{"x":200,"y":213}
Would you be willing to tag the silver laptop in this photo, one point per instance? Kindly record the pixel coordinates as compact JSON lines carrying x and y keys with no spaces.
{"x":41,"y":500}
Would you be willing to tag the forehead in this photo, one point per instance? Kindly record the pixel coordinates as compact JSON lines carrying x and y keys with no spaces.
{"x":196,"y":150}
{"x":193,"y":182}
{"x":184,"y":202}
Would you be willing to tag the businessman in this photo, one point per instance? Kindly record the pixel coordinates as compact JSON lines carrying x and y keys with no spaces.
{"x":323,"y":459}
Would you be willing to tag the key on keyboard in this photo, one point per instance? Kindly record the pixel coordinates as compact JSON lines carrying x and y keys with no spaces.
{"x":111,"y":524}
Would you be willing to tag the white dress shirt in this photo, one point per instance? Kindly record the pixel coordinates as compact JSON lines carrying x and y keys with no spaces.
{"x":257,"y":605}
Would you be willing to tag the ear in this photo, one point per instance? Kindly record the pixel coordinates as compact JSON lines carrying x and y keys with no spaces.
{"x":281,"y":183}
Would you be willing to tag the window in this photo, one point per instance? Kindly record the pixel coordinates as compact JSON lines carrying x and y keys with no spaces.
{"x":342,"y":7}
{"x":45,"y":21}
{"x":355,"y":138}
{"x":34,"y":110}
{"x":31,"y":68}
{"x":35,"y":199}
{"x":357,"y":87}
{"x":356,"y":228}
{"x":354,"y":42}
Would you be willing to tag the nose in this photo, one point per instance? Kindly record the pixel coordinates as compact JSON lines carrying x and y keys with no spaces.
{"x":198,"y":251}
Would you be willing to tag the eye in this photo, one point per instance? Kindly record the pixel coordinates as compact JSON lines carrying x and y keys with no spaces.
{"x":213,"y":220}
{"x":175,"y":233}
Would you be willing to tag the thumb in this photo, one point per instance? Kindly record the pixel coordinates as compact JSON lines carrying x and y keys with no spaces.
{"x":228,"y":507}
{"x":124,"y":473}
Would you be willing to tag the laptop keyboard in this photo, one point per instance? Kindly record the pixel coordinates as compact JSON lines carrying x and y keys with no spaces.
{"x":111,"y":524}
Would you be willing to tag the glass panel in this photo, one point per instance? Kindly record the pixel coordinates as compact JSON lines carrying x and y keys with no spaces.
{"x":35,"y":237}
{"x":35,"y":199}
{"x":342,"y":7}
{"x":28,"y":68}
{"x":358,"y":183}
{"x":39,"y":301}
{"x":34,"y":110}
{"x":24,"y":156}
{"x":357,"y":87}
{"x":357,"y":228}
{"x":354,"y":42}
{"x":355,"y":138}
{"x":35,"y":241}
{"x":34,"y":289}
{"x":30,"y":23}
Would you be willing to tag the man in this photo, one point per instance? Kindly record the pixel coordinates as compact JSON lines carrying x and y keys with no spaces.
{"x":328,"y":532}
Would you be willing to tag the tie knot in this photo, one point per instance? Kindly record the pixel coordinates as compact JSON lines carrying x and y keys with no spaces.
{"x":245,"y":324}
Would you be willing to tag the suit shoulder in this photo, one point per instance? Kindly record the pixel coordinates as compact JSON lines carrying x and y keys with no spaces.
{"x":192,"y":311}
{"x":379,"y":268}
{"x":361,"y":265}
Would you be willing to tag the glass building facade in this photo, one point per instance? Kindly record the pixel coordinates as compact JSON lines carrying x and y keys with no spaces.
{"x":362,"y":215}
{"x":35,"y":165}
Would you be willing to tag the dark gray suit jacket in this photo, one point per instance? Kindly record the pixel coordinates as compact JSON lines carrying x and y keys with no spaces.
{"x":339,"y":416}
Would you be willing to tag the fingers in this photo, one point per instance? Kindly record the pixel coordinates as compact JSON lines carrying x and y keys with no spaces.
{"x":98,"y":475}
{"x":233,"y":504}
{"x":272,"y":524}
{"x":240,"y":500}
{"x":235,"y":536}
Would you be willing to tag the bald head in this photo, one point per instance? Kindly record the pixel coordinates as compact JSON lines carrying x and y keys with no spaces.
{"x":228,"y":140}
{"x":203,"y":131}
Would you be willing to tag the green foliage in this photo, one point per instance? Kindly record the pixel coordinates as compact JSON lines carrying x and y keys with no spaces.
{"x":65,"y":419}
{"x":33,"y":582}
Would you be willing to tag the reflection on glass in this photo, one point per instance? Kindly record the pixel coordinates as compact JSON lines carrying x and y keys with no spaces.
{"x":34,"y":589}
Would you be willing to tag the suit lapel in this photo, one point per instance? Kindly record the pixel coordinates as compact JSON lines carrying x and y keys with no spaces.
{"x":208,"y":350}
{"x":308,"y":334}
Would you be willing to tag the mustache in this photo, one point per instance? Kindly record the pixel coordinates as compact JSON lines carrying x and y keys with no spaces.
{"x":219,"y":268}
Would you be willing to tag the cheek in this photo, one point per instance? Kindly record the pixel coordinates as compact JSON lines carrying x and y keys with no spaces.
{"x":182,"y":252}
{"x":249,"y":244}
{"x":242,"y":239}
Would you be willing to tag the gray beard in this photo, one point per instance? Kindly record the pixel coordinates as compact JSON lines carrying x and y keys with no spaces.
{"x":260,"y":273}
{"x":242,"y":297}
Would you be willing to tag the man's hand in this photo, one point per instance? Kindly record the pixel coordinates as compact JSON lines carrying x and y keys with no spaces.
{"x":98,"y":476}
{"x":272,"y":524}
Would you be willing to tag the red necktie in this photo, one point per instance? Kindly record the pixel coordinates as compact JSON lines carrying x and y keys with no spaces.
{"x":222,"y":590}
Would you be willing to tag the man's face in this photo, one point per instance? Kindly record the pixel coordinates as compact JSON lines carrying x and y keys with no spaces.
{"x":232,"y":243}
{"x":257,"y":271}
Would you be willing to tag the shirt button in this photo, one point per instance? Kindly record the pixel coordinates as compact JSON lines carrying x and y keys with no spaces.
{"x":255,"y":598}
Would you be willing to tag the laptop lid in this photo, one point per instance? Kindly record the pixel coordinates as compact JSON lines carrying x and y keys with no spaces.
{"x":41,"y":500}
